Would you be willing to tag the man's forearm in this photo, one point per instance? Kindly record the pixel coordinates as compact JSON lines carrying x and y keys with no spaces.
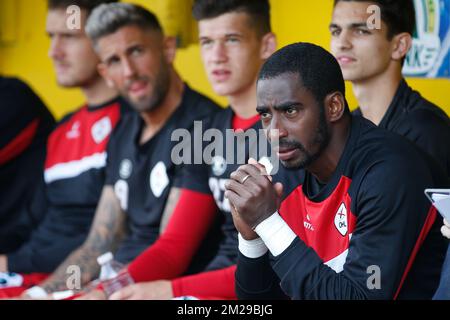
{"x":106,"y":233}
{"x":85,"y":260}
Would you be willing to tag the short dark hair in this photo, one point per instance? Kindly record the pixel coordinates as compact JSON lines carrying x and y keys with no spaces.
{"x":106,"y":19}
{"x":257,"y":10}
{"x":317,"y":69}
{"x":87,"y":5}
{"x":398,"y":15}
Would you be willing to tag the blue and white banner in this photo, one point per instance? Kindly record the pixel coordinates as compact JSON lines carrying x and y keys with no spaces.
{"x":429,"y":56}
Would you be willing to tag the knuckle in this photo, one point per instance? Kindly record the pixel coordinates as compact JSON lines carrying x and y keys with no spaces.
{"x":265,"y":182}
{"x":257,"y":190}
{"x":241,"y":168}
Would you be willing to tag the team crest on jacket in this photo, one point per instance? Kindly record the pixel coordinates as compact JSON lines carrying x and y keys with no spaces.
{"x":159,"y":179}
{"x":219,"y":165}
{"x":101,"y":129}
{"x":341,"y":220}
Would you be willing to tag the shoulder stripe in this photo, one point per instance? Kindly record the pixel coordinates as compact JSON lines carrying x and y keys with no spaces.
{"x":19,"y":143}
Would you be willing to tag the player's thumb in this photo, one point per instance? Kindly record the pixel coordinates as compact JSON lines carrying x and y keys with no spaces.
{"x":279,"y":189}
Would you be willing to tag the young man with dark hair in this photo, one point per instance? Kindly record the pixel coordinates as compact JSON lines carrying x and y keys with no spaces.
{"x":234,"y":41}
{"x":76,"y":153}
{"x":25,"y":125}
{"x":372,"y":60}
{"x":141,"y":179}
{"x":346,"y":229}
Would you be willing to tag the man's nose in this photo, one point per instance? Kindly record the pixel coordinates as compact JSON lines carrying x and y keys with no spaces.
{"x":276,"y":130}
{"x":219,"y":52}
{"x":344,"y":40}
{"x":128,"y":68}
{"x":56,"y":51}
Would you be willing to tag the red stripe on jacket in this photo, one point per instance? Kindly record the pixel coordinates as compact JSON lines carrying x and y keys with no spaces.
{"x":431,"y":218}
{"x":19,"y":143}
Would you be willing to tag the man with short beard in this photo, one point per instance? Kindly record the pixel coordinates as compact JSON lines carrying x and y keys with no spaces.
{"x":235,"y":40}
{"x":142,"y":182}
{"x":356,"y":225}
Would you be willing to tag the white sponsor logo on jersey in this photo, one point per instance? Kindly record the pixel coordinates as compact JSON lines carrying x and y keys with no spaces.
{"x":101,"y":129}
{"x":308,"y":224}
{"x":74,"y":132}
{"x":126,"y":168}
{"x":159,"y":179}
{"x":341,"y":220}
{"x":219,"y":165}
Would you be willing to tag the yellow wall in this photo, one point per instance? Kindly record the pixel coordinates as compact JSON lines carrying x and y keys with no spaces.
{"x":293,"y":20}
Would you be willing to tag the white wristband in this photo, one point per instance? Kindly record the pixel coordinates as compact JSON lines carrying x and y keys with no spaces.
{"x":36,"y":292}
{"x":276,"y":234}
{"x":252,"y":248}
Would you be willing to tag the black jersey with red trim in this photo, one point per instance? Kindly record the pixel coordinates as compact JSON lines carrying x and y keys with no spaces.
{"x":142,"y":175}
{"x":211,"y":178}
{"x":420,"y":121}
{"x":369,"y":233}
{"x":73,"y":178}
{"x":24,"y":126}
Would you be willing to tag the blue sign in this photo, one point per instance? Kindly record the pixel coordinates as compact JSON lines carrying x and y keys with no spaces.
{"x":429,"y":56}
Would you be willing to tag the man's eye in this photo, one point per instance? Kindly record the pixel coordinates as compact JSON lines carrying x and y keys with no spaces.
{"x":113,"y":61}
{"x":362,"y":31}
{"x":232,"y":40}
{"x":335,"y":32}
{"x":136,"y":51}
{"x":205,"y":43}
{"x":291,"y":111}
{"x":264,"y":115}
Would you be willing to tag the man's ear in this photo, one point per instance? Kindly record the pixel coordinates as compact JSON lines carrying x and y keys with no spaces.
{"x":102,"y":70}
{"x":268,"y":45}
{"x":402,"y":42}
{"x":170,"y":48}
{"x":334,"y":106}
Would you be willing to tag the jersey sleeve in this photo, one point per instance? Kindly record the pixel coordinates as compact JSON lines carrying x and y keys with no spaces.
{"x":392,"y":220}
{"x":195,"y":170}
{"x":22,"y":106}
{"x":171,"y":254}
{"x":256,"y":280}
{"x":25,"y":119}
{"x":199,"y":285}
{"x":111,"y":155}
{"x":195,"y":178}
{"x":431,"y":133}
{"x":192,"y":170}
